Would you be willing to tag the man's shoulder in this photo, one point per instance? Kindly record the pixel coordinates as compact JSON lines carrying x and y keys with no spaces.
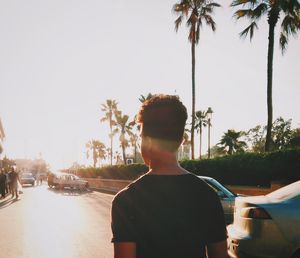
{"x":196,"y":183}
{"x":128,"y":191}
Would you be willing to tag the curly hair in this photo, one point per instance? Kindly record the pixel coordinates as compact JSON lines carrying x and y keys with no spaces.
{"x":163,"y":117}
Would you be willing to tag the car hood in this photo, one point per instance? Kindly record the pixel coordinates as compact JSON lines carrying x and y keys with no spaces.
{"x":285,"y":214}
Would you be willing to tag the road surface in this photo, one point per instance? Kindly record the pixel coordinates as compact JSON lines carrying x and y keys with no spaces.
{"x":48,"y":223}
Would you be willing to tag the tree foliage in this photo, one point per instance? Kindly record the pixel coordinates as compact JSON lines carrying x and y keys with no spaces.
{"x":254,"y":10}
{"x":98,"y":150}
{"x":231,"y":143}
{"x":124,"y":128}
{"x":110,"y":107}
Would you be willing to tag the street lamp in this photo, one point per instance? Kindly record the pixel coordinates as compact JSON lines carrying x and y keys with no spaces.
{"x":209,"y":116}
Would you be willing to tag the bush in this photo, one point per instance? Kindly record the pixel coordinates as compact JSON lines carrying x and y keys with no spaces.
{"x":239,"y":169}
{"x":250,"y":168}
{"x":121,"y":172}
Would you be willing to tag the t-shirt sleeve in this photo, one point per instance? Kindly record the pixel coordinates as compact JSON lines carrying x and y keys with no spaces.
{"x":122,"y":220}
{"x":217,"y":227}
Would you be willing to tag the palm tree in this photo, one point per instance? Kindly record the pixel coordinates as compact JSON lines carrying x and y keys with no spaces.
{"x":200,"y":122}
{"x":117,"y":157}
{"x":134,"y":140}
{"x":109,"y":108}
{"x":124,"y":128}
{"x":196,"y":12}
{"x":101,"y":149}
{"x":98,"y":150}
{"x":254,"y":10}
{"x":230,"y":142}
{"x":143,"y":98}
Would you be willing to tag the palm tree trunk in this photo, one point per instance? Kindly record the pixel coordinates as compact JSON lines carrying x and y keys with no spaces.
{"x":111,"y":139}
{"x":272,"y":23}
{"x":111,"y":150}
{"x":123,"y":152}
{"x":94,"y":159}
{"x":193,"y":100}
{"x":200,"y":148}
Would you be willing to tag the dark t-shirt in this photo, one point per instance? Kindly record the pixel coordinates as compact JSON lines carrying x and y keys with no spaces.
{"x":168,"y":216}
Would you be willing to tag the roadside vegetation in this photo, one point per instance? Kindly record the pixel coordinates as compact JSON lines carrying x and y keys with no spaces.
{"x":255,"y":169}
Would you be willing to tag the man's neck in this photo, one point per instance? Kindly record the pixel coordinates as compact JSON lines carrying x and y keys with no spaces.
{"x":166,"y":164}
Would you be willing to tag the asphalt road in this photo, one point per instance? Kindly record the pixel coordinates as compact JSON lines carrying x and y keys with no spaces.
{"x":47,"y":223}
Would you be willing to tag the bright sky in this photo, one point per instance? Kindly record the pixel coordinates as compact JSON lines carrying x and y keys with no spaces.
{"x":61,"y":59}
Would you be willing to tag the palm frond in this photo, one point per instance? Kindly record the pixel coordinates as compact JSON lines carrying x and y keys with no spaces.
{"x":290,"y":25}
{"x":178,"y":22}
{"x":283,"y":41}
{"x":244,"y":2}
{"x":209,"y":8}
{"x":243,"y":13}
{"x":250,"y":29}
{"x":213,"y":5}
{"x":209,"y":21}
{"x":290,"y":6}
{"x":182,"y":7}
{"x":178,"y":8}
{"x":259,"y":11}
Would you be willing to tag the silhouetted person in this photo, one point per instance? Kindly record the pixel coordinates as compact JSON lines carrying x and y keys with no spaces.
{"x":168,"y":212}
{"x":2,"y":184}
{"x":14,"y":179}
{"x":40,"y":179}
{"x":7,"y":186}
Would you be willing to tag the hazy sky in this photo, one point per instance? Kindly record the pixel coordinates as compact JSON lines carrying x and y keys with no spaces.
{"x":61,"y":59}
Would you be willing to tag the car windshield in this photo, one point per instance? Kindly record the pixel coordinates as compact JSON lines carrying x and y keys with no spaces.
{"x":26,"y":176}
{"x":287,"y":192}
{"x":218,"y":187}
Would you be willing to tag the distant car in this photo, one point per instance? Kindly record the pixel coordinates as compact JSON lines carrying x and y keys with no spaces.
{"x":226,"y":196}
{"x":267,"y":226}
{"x":64,"y":180}
{"x":27,"y":179}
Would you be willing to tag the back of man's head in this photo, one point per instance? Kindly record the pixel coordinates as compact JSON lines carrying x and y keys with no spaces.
{"x":163,"y":118}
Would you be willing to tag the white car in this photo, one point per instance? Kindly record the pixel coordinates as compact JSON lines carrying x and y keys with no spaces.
{"x":226,"y":196}
{"x":64,"y":180}
{"x":27,"y":179}
{"x":267,"y":226}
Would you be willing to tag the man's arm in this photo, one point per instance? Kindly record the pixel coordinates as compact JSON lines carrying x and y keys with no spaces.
{"x":217,"y":250}
{"x":125,"y":250}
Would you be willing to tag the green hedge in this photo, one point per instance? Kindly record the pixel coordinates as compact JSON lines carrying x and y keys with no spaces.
{"x":239,"y":169}
{"x":123,"y":172}
{"x":250,"y":168}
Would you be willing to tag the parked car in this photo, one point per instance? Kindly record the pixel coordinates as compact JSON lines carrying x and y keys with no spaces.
{"x":226,"y":196}
{"x":27,"y":179}
{"x":267,"y":226}
{"x":64,"y":180}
